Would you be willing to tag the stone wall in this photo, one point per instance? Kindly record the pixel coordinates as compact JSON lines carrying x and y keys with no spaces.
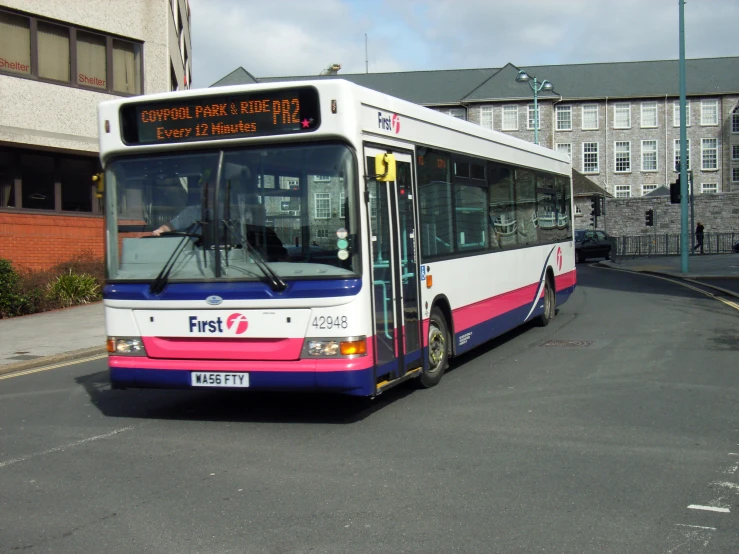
{"x":719,"y":213}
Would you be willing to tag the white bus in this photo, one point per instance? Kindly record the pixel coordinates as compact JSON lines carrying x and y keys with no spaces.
{"x":318,"y":235}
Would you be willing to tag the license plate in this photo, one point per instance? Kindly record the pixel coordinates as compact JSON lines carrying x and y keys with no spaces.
{"x":218,"y":379}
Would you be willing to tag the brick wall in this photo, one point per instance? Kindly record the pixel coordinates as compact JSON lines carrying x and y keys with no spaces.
{"x":39,"y":241}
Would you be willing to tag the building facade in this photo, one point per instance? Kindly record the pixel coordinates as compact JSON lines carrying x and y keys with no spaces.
{"x":58,"y":61}
{"x":619,"y":122}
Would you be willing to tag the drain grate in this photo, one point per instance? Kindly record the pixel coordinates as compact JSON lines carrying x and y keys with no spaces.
{"x":568,"y":343}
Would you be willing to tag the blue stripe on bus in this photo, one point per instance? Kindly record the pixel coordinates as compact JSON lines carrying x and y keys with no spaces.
{"x":356,"y":383}
{"x":234,"y":290}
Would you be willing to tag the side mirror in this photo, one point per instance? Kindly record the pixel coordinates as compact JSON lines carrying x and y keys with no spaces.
{"x":385,"y":167}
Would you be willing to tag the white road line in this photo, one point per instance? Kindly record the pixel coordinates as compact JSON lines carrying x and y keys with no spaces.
{"x":48,"y":367}
{"x":70,"y":445}
{"x":696,"y":526}
{"x":708,"y":508}
{"x":728,"y":485}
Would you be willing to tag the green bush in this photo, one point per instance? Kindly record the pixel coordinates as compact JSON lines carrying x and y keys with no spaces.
{"x":10,"y":298}
{"x":71,"y":289}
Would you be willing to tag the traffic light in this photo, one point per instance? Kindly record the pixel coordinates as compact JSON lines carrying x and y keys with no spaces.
{"x":594,"y":209}
{"x":675,"y":191}
{"x":649,"y":218}
{"x":99,"y":180}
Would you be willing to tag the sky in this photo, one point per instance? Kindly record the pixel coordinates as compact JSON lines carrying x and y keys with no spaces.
{"x":271,"y":38}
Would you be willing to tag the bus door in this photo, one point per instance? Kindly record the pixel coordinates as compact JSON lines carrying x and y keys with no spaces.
{"x":394,"y":255}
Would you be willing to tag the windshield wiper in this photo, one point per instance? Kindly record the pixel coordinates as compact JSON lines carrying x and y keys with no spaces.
{"x":275,"y":280}
{"x":160,"y":282}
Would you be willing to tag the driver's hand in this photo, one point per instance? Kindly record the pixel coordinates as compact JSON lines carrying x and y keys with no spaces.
{"x":160,"y":230}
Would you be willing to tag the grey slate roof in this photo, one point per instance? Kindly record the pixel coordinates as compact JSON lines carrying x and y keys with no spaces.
{"x":613,"y":80}
{"x":659,"y":191}
{"x":582,"y":186}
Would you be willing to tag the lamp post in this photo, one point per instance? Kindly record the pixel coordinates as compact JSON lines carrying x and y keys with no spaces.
{"x":523,"y":77}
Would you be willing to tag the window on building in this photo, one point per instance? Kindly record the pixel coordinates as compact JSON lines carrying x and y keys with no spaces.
{"x":649,"y":155}
{"x":622,"y":154}
{"x":676,"y":156}
{"x":709,"y":112}
{"x":486,"y":117}
{"x":709,"y":188}
{"x":53,"y":52}
{"x":101,"y":62}
{"x":735,"y":152}
{"x":623,"y":191}
{"x":15,"y":44}
{"x":565,"y":149}
{"x":459,"y":113}
{"x":37,"y":176}
{"x":734,"y":176}
{"x":322,"y":205}
{"x":126,"y":64}
{"x":622,"y":115}
{"x":342,"y":205}
{"x":7,"y":179}
{"x":564,"y":118}
{"x":510,"y":118}
{"x":75,"y":177}
{"x":649,"y":114}
{"x":646,"y":189}
{"x":173,"y":84}
{"x":590,"y":157}
{"x":735,"y":120}
{"x":531,"y":116}
{"x":589,"y":117}
{"x":709,"y":153}
{"x":92,"y":66}
{"x":676,"y":113}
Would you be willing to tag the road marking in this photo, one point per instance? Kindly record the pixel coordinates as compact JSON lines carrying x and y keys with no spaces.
{"x":696,"y":526}
{"x":677,"y":282}
{"x":728,"y":485}
{"x":708,"y":508}
{"x":70,"y":445}
{"x":54,"y":366}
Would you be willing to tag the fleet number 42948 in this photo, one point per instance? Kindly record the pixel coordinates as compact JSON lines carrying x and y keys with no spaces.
{"x":328,"y":322}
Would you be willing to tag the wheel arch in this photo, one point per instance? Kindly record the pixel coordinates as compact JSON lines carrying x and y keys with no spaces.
{"x":442,"y":302}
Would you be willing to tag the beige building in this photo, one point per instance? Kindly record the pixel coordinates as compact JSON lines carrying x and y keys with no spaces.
{"x":58,"y":60}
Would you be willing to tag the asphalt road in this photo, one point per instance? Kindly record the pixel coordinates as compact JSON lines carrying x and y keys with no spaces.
{"x":597,"y":442}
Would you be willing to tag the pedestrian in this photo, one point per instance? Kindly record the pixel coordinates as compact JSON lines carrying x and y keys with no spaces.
{"x":699,"y":236}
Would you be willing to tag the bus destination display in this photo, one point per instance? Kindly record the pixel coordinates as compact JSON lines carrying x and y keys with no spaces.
{"x":270,"y":112}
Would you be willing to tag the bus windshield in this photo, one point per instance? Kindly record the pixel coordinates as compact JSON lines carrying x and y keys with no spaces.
{"x":225,"y":214}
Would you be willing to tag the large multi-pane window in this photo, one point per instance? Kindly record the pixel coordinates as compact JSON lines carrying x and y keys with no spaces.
{"x":60,"y":53}
{"x":709,"y":112}
{"x":564,"y":118}
{"x":623,"y":191}
{"x":510,"y":118}
{"x":709,"y":153}
{"x":590,"y":157}
{"x":646,"y":189}
{"x":709,"y":188}
{"x":322,"y":204}
{"x":532,"y":116}
{"x":676,"y":155}
{"x":735,"y":121}
{"x":622,"y":153}
{"x":622,"y":115}
{"x":565,"y":149}
{"x":735,"y":152}
{"x":459,"y":113}
{"x":486,"y":117}
{"x":649,"y":114}
{"x":649,"y":155}
{"x":589,"y":117}
{"x":735,"y":174}
{"x":676,"y":113}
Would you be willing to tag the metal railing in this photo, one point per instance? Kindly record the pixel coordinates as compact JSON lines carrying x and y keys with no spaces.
{"x":668,"y":244}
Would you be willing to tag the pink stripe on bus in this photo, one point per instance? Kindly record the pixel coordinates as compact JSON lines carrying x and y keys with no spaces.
{"x":185,"y":348}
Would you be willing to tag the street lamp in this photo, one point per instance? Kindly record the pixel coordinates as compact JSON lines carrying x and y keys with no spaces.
{"x":523,"y":77}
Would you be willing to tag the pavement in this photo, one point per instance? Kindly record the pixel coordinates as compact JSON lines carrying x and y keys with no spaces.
{"x":76,"y":333}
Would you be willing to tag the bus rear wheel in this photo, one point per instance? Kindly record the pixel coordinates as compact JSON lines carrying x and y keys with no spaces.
{"x":550,"y":304}
{"x":438,"y":350}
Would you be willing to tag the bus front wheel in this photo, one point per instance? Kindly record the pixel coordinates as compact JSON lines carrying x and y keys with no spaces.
{"x":438,"y":350}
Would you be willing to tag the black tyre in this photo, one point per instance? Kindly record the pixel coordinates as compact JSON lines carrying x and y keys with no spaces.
{"x":550,"y":304}
{"x":438,"y":350}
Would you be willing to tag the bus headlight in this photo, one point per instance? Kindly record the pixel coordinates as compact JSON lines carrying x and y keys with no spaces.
{"x":343,"y":347}
{"x":126,"y":346}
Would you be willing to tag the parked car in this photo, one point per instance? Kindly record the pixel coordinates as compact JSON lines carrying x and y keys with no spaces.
{"x":592,"y":244}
